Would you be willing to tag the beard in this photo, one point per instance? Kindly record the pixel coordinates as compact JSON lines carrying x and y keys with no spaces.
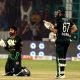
{"x":11,"y":34}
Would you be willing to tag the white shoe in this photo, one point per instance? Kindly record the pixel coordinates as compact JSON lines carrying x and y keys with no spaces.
{"x":62,"y":77}
{"x":56,"y":77}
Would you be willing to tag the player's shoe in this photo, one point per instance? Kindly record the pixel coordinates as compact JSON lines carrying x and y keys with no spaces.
{"x":9,"y":74}
{"x":62,"y":76}
{"x":56,"y":76}
{"x":24,"y":71}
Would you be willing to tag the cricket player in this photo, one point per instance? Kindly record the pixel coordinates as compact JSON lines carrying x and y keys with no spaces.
{"x":64,"y":28}
{"x":13,"y":45}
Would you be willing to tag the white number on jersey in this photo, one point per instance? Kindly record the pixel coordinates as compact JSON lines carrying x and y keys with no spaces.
{"x":66,"y":27}
{"x":65,"y":31}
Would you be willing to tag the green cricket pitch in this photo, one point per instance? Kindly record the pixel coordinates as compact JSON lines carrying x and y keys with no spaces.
{"x":43,"y":70}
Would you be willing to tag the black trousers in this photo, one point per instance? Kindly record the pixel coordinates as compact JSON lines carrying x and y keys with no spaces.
{"x":13,"y":66}
{"x":62,"y":47}
{"x":61,"y":52}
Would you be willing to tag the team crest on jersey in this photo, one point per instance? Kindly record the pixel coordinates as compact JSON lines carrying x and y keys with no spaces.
{"x":11,"y":42}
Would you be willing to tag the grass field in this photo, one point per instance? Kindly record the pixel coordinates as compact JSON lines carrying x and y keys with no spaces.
{"x":44,"y":70}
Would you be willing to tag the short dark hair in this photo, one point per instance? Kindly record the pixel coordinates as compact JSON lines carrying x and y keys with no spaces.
{"x":61,"y":10}
{"x":13,"y":27}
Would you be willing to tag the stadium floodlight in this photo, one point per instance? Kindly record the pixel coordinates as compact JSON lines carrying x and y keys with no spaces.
{"x":32,"y":53}
{"x":41,"y":53}
{"x":78,"y":55}
{"x":33,"y":45}
{"x":41,"y":45}
{"x":78,"y":47}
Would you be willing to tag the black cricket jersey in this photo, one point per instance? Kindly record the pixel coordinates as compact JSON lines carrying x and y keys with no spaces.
{"x":64,"y":28}
{"x":14,"y":46}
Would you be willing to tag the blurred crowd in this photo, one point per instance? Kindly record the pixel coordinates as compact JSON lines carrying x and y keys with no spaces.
{"x":26,"y":16}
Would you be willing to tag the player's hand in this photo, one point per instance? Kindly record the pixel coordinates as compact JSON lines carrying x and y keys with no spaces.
{"x":2,"y":43}
{"x":48,"y":25}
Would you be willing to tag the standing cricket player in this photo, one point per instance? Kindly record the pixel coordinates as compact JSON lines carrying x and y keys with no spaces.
{"x":64,"y":27}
